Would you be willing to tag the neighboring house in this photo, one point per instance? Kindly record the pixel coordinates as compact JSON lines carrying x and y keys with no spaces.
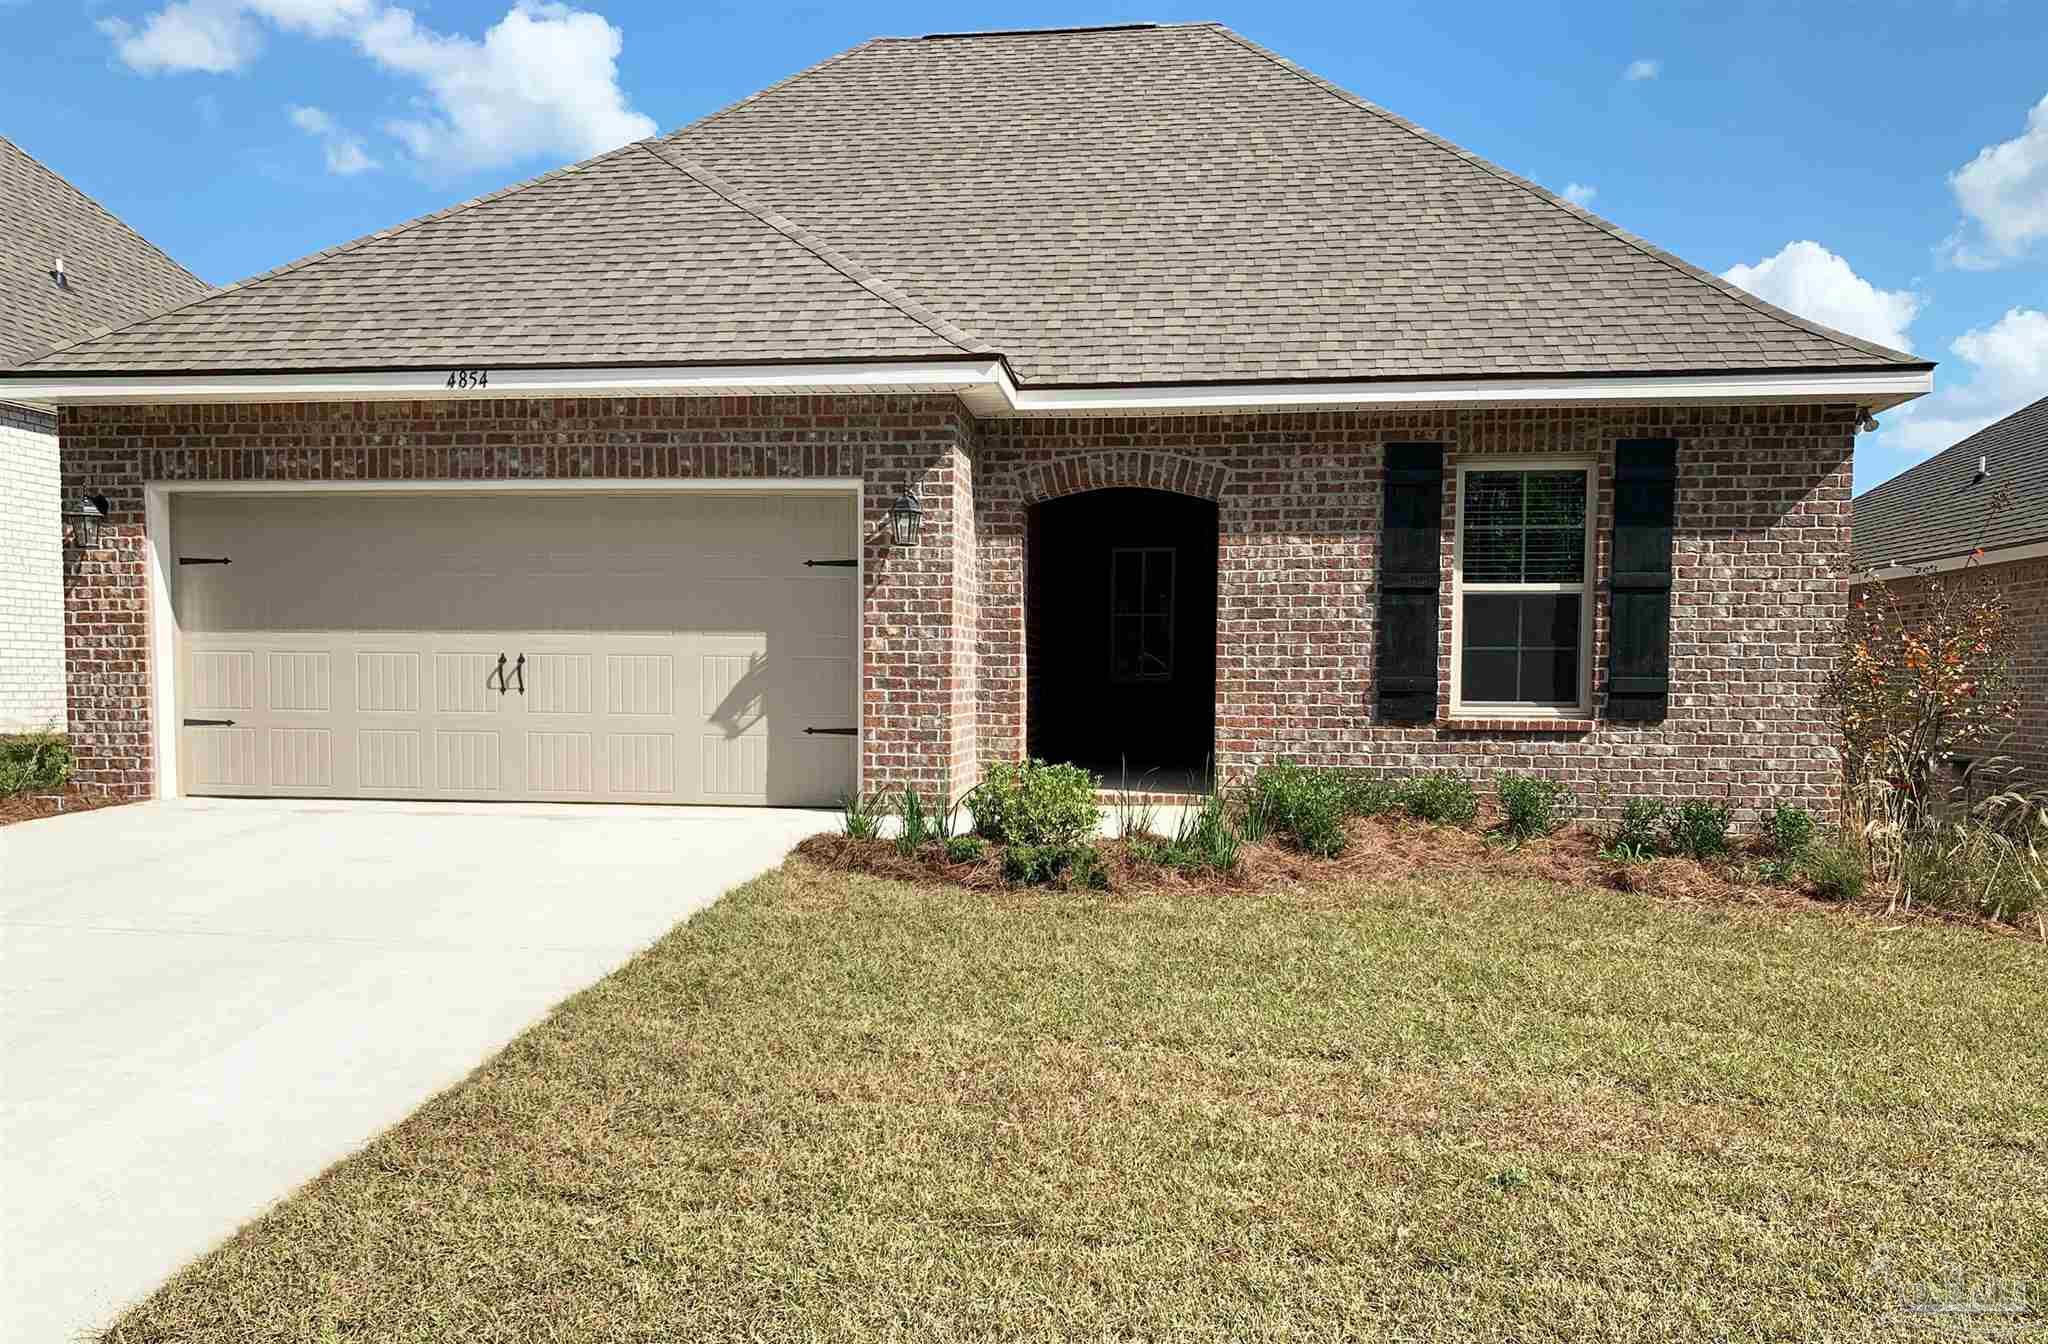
{"x":1230,"y":417}
{"x":67,"y":268}
{"x":1981,"y":503}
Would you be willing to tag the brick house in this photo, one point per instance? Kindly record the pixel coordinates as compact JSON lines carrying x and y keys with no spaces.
{"x":1122,"y":395}
{"x":1981,"y":503}
{"x":67,"y":267}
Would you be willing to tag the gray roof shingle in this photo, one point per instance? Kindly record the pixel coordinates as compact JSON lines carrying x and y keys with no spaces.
{"x":112,"y":272}
{"x":1132,"y":205}
{"x":1939,"y":509}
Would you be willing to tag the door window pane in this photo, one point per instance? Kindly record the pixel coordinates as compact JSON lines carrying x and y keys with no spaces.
{"x":1141,"y":592}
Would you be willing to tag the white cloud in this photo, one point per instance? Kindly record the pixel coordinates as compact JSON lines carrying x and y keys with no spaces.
{"x":1640,"y":70}
{"x":543,"y":80}
{"x":2003,"y":193}
{"x":345,"y":151}
{"x":1807,"y":279}
{"x":188,"y":35}
{"x":2008,"y":368}
{"x":1579,"y":194}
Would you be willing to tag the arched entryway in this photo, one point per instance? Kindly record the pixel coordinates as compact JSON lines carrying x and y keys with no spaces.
{"x":1120,"y":620}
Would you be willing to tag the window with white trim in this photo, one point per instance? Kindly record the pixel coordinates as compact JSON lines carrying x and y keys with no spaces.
{"x":1523,"y":613}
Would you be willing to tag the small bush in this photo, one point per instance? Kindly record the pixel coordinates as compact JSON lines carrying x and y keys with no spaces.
{"x":1635,"y":837}
{"x":1034,"y":804}
{"x":34,"y":763}
{"x":1835,"y":868}
{"x":862,"y":818}
{"x":1789,"y":830}
{"x":1531,"y":805}
{"x":1304,"y":807}
{"x":1368,"y":795}
{"x":1441,"y":797}
{"x":1698,"y":829}
{"x":1042,"y":865}
{"x":966,"y":849}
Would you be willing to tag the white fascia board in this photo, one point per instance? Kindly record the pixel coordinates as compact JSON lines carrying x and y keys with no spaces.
{"x":1878,"y":390}
{"x":2003,"y":555}
{"x":987,"y":388}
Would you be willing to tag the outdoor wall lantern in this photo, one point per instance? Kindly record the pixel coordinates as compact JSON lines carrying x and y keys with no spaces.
{"x":903,"y":519}
{"x":86,"y":520}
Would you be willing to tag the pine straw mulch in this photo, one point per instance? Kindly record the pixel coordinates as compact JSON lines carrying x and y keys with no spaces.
{"x":1395,"y":848}
{"x":16,"y":807}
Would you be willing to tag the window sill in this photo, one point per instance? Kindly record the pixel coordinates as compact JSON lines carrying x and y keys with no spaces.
{"x":1477,"y":724}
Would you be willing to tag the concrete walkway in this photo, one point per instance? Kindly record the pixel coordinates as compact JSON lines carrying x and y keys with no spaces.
{"x":204,"y":1003}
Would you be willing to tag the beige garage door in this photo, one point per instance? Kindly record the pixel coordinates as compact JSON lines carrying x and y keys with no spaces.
{"x":639,"y":648}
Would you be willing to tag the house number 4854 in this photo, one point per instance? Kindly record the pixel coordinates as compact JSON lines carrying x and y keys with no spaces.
{"x":462,"y":380}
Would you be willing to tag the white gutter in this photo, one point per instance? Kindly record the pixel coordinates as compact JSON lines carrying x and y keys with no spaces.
{"x":2003,"y":555}
{"x":984,"y":384}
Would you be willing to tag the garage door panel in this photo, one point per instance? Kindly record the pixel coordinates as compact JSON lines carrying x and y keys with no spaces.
{"x":675,"y":648}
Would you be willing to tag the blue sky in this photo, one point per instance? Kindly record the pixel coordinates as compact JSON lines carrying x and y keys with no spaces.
{"x":1881,"y":165}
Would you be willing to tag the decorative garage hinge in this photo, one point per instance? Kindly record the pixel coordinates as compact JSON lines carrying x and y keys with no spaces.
{"x":830,"y":564}
{"x":830,"y":732}
{"x":204,"y":560}
{"x":209,"y":723}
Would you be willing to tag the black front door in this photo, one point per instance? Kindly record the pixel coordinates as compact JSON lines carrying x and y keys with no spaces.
{"x":1121,"y":588}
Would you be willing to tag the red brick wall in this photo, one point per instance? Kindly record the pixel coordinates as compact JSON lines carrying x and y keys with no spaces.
{"x":1760,"y":586}
{"x":2024,"y":584}
{"x":917,"y":676}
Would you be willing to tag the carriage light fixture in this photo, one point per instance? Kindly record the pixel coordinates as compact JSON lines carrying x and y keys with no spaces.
{"x":903,"y":519}
{"x":86,"y":519}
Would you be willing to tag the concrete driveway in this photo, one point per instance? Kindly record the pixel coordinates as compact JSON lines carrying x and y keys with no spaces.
{"x":207,"y":1002}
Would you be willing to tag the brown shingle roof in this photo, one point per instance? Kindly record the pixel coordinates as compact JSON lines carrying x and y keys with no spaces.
{"x":1132,"y":205}
{"x":112,"y":272}
{"x":1939,"y":509}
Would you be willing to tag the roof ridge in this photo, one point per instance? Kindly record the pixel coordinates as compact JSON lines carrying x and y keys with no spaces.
{"x":1642,"y":245}
{"x":340,"y":249}
{"x":112,"y":218}
{"x":896,"y":298}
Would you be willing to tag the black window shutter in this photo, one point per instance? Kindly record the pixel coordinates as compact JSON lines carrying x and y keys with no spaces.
{"x":1639,"y":590}
{"x":1410,"y":565}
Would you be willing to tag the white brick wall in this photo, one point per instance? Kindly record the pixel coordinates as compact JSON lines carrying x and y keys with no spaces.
{"x":31,"y":573}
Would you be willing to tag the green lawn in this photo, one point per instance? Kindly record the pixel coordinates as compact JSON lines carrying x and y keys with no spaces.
{"x":838,"y":1107}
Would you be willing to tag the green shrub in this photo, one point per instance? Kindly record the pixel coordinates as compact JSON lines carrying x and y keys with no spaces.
{"x":1835,"y":868}
{"x":965,"y":849}
{"x":862,"y":818}
{"x":1531,"y":805}
{"x":1789,"y":830}
{"x":1368,"y":795}
{"x":1698,"y":829}
{"x":1634,"y":838}
{"x":1304,"y":807}
{"x":1440,"y":797}
{"x":1041,"y":865}
{"x":34,"y":763}
{"x":1034,"y":804}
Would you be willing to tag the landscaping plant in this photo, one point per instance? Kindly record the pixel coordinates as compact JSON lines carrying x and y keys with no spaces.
{"x":1634,"y":838}
{"x":1698,"y":829}
{"x":34,"y":763}
{"x":1303,"y":806}
{"x":1788,"y":830}
{"x":1531,"y":805}
{"x":1441,"y":797}
{"x":861,"y":818}
{"x":1035,"y":804}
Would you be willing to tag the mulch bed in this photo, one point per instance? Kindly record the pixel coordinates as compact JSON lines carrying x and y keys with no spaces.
{"x":1393,"y":848}
{"x":33,"y":806}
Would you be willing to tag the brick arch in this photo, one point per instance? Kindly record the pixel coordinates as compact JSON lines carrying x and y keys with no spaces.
{"x":1072,"y":475}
